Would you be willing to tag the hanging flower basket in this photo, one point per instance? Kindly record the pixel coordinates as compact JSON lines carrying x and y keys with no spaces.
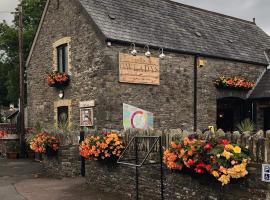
{"x":44,"y":143}
{"x":218,"y":158}
{"x":58,"y":79}
{"x":104,"y":148}
{"x":235,"y":83}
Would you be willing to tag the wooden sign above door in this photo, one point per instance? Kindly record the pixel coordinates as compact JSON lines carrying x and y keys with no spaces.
{"x":139,"y":69}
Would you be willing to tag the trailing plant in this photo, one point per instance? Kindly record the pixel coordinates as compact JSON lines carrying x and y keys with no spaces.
{"x":57,"y":79}
{"x":234,"y":83}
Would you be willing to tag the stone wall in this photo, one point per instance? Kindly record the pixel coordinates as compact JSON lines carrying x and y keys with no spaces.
{"x":171,"y":101}
{"x":208,"y":94}
{"x":177,"y":185}
{"x":94,"y":76}
{"x":68,"y":20}
{"x":5,"y":143}
{"x":66,"y":163}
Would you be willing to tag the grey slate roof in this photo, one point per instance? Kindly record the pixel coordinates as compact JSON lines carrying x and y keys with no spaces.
{"x":175,"y":26}
{"x":262,"y":90}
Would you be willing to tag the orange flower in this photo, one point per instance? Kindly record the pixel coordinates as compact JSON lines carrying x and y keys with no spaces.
{"x":101,"y":147}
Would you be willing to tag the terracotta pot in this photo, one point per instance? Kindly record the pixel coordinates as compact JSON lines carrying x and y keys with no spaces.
{"x":31,"y":154}
{"x":12,"y":155}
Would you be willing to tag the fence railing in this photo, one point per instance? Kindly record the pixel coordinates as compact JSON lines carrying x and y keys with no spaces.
{"x":258,"y":143}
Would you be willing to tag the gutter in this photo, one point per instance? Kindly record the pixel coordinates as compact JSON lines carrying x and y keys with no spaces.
{"x":195,"y":93}
{"x":187,"y":52}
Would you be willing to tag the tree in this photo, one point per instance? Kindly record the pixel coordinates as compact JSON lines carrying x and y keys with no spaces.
{"x":9,"y":59}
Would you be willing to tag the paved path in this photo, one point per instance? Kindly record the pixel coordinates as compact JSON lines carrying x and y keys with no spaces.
{"x":26,"y":180}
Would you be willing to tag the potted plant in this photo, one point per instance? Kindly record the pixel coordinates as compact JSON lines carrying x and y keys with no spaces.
{"x":13,"y":149}
{"x":30,"y":153}
{"x":28,"y":137}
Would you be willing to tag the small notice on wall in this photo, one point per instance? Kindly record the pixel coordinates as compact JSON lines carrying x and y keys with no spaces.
{"x":86,"y":117}
{"x":266,"y":173}
{"x":134,"y":117}
{"x":139,"y":69}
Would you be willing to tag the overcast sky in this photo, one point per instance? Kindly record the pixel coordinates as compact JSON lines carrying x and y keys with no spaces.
{"x":245,"y":9}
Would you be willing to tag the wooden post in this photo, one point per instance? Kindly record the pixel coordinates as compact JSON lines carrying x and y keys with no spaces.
{"x":82,"y":136}
{"x":22,"y":70}
{"x":267,"y":147}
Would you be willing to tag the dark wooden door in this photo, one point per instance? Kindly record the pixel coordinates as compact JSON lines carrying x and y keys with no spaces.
{"x":267,"y":119}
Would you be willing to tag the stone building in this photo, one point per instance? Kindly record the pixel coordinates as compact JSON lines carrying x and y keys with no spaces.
{"x":86,"y":39}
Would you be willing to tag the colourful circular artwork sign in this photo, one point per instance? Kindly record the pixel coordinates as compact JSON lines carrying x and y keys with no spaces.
{"x":138,"y":120}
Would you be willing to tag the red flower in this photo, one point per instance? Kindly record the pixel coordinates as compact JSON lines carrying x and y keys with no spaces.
{"x":201,"y":165}
{"x":190,"y":162}
{"x":208,"y":168}
{"x":208,"y":146}
{"x":224,"y":142}
{"x":199,"y":171}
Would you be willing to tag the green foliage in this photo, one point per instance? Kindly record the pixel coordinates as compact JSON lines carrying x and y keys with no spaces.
{"x":9,"y":59}
{"x":38,"y":127}
{"x":217,"y":150}
{"x":13,"y":146}
{"x":245,"y":126}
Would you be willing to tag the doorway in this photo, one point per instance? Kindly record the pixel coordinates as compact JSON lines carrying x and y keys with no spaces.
{"x":267,"y":119}
{"x":231,"y":111}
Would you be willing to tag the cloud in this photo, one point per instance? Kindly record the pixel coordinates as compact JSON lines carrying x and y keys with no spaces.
{"x":6,"y":6}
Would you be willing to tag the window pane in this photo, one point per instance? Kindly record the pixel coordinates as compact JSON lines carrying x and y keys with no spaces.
{"x":66,"y":58}
{"x":62,"y":58}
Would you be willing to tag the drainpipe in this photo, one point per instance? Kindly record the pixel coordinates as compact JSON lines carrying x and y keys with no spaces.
{"x":195,"y":92}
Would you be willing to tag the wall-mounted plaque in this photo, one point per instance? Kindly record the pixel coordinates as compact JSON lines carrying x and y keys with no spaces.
{"x":85,"y":104}
{"x":139,"y":69}
{"x":86,"y":117}
{"x":266,"y":173}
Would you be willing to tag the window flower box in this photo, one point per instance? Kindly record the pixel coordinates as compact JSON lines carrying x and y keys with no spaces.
{"x":234,"y":83}
{"x":58,"y":79}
